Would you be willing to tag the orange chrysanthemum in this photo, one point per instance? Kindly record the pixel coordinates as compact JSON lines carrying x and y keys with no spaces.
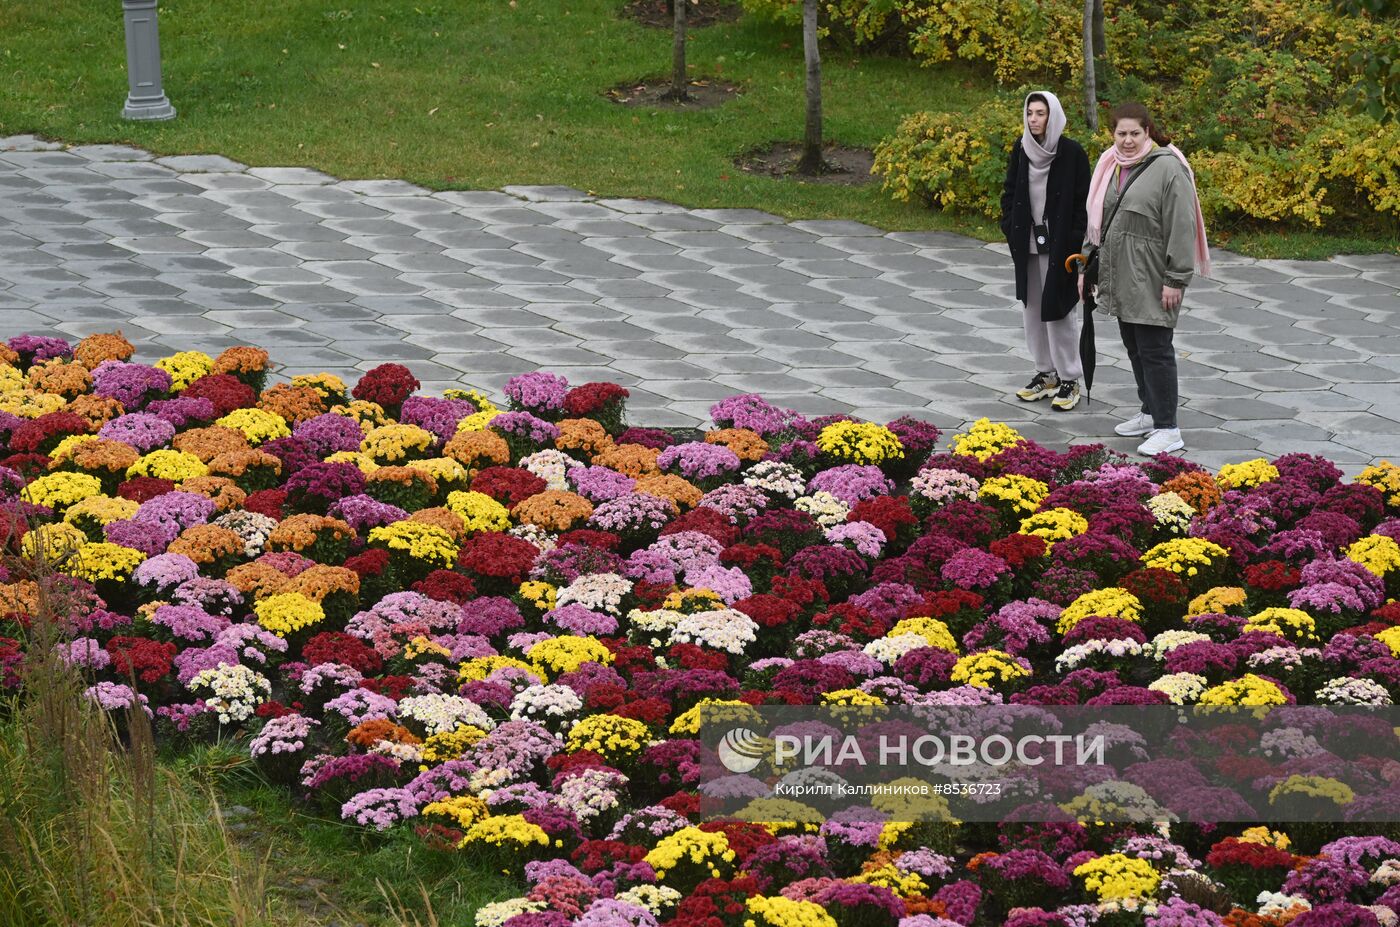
{"x":105,"y":346}
{"x":301,"y":531}
{"x":293,"y":403}
{"x":747,"y":445}
{"x":241,"y":359}
{"x":477,"y":449}
{"x":1198,"y":489}
{"x":257,"y":580}
{"x":679,"y":490}
{"x":444,"y":518}
{"x":208,"y":443}
{"x":95,"y":410}
{"x":553,"y":510}
{"x":63,"y":379}
{"x":207,"y":543}
{"x":582,"y":434}
{"x":634,"y":460}
{"x":319,"y":581}
{"x":225,"y":492}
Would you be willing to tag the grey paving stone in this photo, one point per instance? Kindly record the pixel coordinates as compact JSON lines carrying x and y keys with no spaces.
{"x":298,"y":231}
{"x":349,"y":329}
{"x":1278,"y":381}
{"x":292,"y":176}
{"x":190,"y":325}
{"x":555,"y":357}
{"x":547,"y":194}
{"x":840,"y":269}
{"x":642,"y":350}
{"x":644,"y":291}
{"x":663,"y":369}
{"x":192,"y":164}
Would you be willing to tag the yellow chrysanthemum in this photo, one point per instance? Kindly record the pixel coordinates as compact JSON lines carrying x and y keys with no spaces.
{"x":185,"y":367}
{"x":257,"y":425}
{"x":1377,"y":553}
{"x":1113,"y":602}
{"x":1246,"y":474}
{"x":478,"y":511}
{"x":860,"y":442}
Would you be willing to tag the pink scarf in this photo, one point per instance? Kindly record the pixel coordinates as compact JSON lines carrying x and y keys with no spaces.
{"x":1104,"y":172}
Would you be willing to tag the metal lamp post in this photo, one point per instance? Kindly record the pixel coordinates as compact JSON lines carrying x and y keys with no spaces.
{"x":145,"y":98}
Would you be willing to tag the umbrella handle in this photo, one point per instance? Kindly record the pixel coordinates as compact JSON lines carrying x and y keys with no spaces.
{"x":1073,"y":259}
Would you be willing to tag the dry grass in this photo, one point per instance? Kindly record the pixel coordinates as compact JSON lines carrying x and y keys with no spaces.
{"x":92,"y":830}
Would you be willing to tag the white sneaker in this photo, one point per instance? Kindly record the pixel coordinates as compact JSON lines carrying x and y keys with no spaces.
{"x":1139,"y":424}
{"x":1161,"y":441}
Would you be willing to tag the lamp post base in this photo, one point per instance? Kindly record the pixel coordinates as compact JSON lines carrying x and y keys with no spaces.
{"x":156,"y":110}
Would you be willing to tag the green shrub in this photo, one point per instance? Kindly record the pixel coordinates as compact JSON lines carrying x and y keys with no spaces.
{"x":1248,"y":88}
{"x":954,"y":161}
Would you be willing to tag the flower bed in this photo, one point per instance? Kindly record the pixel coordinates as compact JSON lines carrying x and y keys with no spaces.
{"x":493,"y":626}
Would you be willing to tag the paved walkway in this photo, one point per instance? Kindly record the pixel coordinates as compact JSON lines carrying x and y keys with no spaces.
{"x":681,"y":306}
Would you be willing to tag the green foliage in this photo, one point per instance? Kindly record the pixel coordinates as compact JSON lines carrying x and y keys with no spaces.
{"x":951,"y":161}
{"x":1377,"y":67}
{"x":1248,"y":88}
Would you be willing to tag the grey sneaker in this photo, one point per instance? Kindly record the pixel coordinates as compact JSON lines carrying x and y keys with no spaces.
{"x":1139,"y":424}
{"x":1067,"y":397}
{"x":1040,"y":386}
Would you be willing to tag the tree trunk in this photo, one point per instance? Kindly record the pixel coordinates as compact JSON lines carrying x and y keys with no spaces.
{"x":678,"y":82}
{"x":1091,"y":94}
{"x":1100,"y":45}
{"x":812,"y":162}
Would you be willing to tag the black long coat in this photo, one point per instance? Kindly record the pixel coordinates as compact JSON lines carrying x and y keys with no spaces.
{"x":1066,"y":196}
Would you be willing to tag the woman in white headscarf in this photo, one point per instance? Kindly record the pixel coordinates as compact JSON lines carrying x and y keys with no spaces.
{"x":1044,"y":219}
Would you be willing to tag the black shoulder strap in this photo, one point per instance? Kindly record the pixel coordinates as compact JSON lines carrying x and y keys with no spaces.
{"x":1103,"y":234}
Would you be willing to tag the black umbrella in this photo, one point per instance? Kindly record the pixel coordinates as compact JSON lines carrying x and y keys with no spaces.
{"x":1088,"y":351}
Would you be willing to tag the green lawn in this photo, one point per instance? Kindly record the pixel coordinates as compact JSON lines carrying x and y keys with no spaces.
{"x":320,"y":870}
{"x":484,"y":93}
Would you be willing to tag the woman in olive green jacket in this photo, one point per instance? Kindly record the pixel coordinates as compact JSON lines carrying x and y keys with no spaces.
{"x":1155,"y":244}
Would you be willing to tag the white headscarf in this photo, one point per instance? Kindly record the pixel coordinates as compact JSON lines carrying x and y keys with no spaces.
{"x":1039,"y":155}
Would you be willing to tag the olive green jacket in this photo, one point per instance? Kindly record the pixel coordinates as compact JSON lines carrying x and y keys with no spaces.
{"x":1151,"y":242}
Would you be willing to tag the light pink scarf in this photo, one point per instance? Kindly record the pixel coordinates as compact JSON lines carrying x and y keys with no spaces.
{"x":1104,"y":172}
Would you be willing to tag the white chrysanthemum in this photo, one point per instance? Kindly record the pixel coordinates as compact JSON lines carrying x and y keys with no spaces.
{"x":1347,"y":691}
{"x":600,"y":592}
{"x":1181,"y":688}
{"x":252,"y":528}
{"x":1387,"y":873}
{"x":542,"y":539}
{"x":441,"y":714}
{"x":655,"y":898}
{"x":1118,"y":649}
{"x":232,"y":691}
{"x":498,"y":912}
{"x":724,"y":629}
{"x":404,"y":753}
{"x":889,"y":649}
{"x":1281,"y":659}
{"x":1289,"y":743}
{"x":553,"y":705}
{"x":1275,"y":904}
{"x":1168,"y":641}
{"x":776,"y":478}
{"x":828,"y":510}
{"x":1172,"y":512}
{"x":551,"y":466}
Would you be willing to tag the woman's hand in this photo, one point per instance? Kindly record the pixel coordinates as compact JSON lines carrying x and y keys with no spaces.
{"x":1171,"y":298}
{"x":1079,"y":281}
